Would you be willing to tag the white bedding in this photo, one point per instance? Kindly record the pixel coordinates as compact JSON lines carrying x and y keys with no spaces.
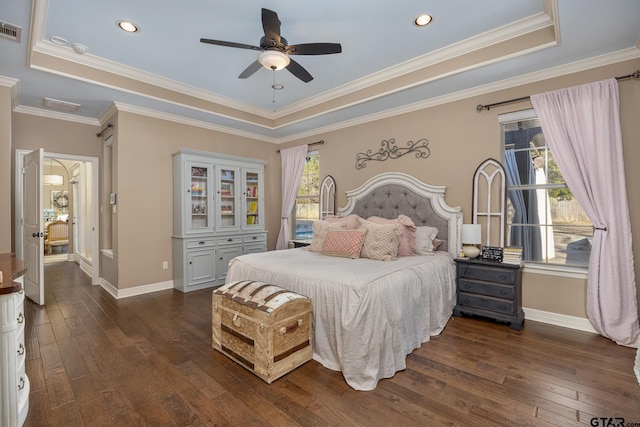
{"x":367,"y":315}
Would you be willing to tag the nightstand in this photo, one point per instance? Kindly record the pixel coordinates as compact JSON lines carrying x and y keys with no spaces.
{"x":489,"y":289}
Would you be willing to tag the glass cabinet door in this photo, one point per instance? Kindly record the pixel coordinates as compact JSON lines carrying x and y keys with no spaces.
{"x":199,"y":198}
{"x":252,"y":198}
{"x":228,"y":188}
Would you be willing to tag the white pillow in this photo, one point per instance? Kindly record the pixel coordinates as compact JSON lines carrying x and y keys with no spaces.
{"x":424,"y":239}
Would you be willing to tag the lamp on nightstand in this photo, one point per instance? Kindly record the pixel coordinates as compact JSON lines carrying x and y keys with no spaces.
{"x":471,"y":236}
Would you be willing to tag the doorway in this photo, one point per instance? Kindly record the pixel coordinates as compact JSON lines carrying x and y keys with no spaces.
{"x":74,"y":202}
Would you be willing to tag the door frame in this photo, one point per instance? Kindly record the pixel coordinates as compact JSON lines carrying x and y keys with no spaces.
{"x":95,"y":206}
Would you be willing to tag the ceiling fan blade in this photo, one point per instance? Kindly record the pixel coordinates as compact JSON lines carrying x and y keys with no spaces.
{"x":314,"y":49}
{"x":299,"y":71}
{"x":230,"y":44}
{"x":248,"y":72}
{"x":271,"y":26}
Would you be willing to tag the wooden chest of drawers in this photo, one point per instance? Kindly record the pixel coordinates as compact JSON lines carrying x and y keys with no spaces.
{"x":489,"y":289}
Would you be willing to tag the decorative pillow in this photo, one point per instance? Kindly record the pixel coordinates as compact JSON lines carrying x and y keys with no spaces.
{"x":381,"y":241}
{"x":424,"y":239}
{"x":436,"y":243}
{"x":407,"y":245}
{"x":343,"y":243}
{"x":352,"y":221}
{"x":320,"y":230}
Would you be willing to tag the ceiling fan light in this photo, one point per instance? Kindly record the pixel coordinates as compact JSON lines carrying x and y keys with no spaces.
{"x":273,"y":59}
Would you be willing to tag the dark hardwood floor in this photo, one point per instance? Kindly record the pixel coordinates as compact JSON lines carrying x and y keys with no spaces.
{"x":147,"y":361}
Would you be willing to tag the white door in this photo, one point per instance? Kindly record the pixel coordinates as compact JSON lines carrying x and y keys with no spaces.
{"x":33,"y":236}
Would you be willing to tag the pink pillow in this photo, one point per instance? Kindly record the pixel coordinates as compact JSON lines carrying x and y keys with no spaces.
{"x":407,"y":245}
{"x":351,"y":221}
{"x":343,"y":243}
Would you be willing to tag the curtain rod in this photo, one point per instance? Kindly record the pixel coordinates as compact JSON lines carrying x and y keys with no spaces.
{"x":480,"y":107}
{"x":99,"y":134}
{"x":313,"y":143}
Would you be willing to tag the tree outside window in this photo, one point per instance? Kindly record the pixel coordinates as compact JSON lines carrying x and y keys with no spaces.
{"x":307,"y":207}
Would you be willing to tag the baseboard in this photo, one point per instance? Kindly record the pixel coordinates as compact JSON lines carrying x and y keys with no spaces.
{"x":571,"y":322}
{"x":136,"y":290}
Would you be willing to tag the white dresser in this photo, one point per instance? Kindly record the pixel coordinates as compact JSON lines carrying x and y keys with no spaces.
{"x":14,"y":383}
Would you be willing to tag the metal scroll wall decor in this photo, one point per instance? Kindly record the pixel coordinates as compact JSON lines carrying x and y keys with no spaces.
{"x":389,"y":150}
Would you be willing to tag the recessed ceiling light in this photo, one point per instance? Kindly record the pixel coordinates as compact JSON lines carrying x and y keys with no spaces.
{"x":58,"y":40}
{"x":129,"y":27}
{"x":423,"y":20}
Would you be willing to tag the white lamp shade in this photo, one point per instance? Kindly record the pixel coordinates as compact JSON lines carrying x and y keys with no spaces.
{"x":273,"y":59}
{"x":52,"y":180}
{"x":471,"y":234}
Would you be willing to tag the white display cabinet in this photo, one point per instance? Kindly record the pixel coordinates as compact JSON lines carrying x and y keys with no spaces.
{"x":218,"y":215}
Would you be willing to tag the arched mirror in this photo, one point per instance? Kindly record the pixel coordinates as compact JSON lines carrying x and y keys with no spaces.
{"x":327,"y":197}
{"x":489,"y":199}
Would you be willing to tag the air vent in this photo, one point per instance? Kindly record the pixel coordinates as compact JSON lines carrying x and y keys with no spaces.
{"x":10,"y":31}
{"x":60,"y":105}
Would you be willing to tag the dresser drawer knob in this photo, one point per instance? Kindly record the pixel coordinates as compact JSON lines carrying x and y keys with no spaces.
{"x":20,"y":317}
{"x":21,"y":384}
{"x":21,"y":350}
{"x":503,"y":292}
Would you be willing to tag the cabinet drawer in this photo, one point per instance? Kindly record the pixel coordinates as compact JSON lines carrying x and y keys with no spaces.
{"x":258,"y":238}
{"x":487,"y":288}
{"x":191,"y":244}
{"x":486,"y":303}
{"x":497,"y":275}
{"x":230,"y":240}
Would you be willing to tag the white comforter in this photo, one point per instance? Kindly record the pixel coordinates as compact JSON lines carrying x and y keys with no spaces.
{"x":367,"y":315}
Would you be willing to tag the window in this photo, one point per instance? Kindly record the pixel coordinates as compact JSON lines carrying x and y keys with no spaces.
{"x":307,"y":207}
{"x":543,"y":217}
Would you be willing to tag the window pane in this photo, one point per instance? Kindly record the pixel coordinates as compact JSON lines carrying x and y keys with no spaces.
{"x":307,"y":207}
{"x":543,"y":217}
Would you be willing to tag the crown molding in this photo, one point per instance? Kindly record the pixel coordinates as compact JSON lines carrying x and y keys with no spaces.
{"x":575,"y":67}
{"x":119,"y":106}
{"x":41,"y":112}
{"x":533,"y":77}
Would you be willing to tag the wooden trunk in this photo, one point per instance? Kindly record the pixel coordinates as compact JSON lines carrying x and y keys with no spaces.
{"x":262,"y":327}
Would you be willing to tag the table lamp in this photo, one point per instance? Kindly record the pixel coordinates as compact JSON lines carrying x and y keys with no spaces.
{"x":471,"y":236}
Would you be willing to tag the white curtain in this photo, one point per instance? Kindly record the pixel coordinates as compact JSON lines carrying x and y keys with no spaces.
{"x":582,"y":127}
{"x":292,"y":165}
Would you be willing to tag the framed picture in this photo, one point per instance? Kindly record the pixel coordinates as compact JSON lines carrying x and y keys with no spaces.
{"x":60,"y":200}
{"x":226,"y":189}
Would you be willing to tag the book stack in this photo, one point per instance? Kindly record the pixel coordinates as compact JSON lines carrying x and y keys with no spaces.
{"x":512,"y":255}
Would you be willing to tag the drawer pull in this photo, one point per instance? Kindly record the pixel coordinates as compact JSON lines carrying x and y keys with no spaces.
{"x":21,"y":384}
{"x":254,"y":237}
{"x":290,"y":328}
{"x":20,"y":317}
{"x":21,"y":350}
{"x":201,"y":243}
{"x":229,"y":240}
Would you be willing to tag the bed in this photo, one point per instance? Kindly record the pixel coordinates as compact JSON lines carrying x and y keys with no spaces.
{"x":368,"y":315}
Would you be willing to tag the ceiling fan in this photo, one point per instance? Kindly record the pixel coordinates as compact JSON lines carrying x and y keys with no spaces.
{"x":275,"y":49}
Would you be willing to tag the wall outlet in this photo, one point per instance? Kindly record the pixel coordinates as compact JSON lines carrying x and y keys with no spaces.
{"x":165,"y":265}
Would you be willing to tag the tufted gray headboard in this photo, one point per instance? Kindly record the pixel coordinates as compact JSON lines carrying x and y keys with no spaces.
{"x":391,"y":194}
